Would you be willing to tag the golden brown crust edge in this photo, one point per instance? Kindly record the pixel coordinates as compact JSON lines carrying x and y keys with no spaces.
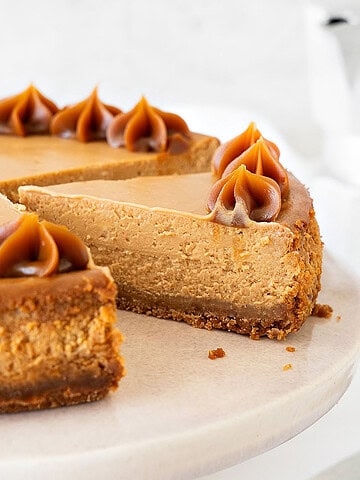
{"x":307,"y":242}
{"x":62,"y":396}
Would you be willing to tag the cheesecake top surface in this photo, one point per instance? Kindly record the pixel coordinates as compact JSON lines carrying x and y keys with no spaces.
{"x":182,"y":194}
{"x":41,"y":154}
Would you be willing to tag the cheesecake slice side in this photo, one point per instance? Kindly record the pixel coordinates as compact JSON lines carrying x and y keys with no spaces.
{"x":58,"y":341}
{"x":58,"y":345}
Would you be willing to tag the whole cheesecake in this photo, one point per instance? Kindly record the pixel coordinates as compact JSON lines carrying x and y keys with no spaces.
{"x":41,"y":145}
{"x":232,"y":249}
{"x":58,"y":343}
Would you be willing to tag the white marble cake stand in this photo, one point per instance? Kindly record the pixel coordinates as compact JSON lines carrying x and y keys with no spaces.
{"x":177,"y":414}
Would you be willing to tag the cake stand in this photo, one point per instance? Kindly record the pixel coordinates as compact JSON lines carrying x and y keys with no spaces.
{"x":178,"y":414}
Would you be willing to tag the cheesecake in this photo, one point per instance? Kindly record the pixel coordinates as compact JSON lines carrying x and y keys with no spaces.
{"x":41,"y":144}
{"x":58,"y":341}
{"x":238,"y":251}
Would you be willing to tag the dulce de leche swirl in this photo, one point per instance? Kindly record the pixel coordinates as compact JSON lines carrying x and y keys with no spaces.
{"x":232,"y":149}
{"x":32,"y":248}
{"x":259,"y":158}
{"x":85,"y":121}
{"x":243,"y":196}
{"x":148,"y":129}
{"x":29,"y":112}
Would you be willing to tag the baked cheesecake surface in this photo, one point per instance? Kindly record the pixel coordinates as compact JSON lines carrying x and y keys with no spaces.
{"x":46,"y":160}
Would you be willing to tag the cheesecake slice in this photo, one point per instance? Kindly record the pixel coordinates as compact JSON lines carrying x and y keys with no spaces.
{"x":58,"y":343}
{"x":171,"y":258}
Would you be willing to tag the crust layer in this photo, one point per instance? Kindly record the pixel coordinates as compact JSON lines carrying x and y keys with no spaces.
{"x":56,"y":394}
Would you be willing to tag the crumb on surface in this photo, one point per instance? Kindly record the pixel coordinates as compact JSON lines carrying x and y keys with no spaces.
{"x":338,"y":318}
{"x":217,"y":353}
{"x":288,"y":366}
{"x":322,"y":311}
{"x":290,"y":349}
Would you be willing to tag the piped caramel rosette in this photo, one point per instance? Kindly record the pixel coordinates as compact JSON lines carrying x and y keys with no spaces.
{"x":253,"y":184}
{"x":27,"y":113}
{"x":242,"y":197}
{"x":231,"y":150}
{"x":259,"y":158}
{"x":32,"y":248}
{"x":86,"y":121}
{"x":148,"y":129}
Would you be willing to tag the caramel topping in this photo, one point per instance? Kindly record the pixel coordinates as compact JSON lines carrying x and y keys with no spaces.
{"x":243,"y":196}
{"x":227,"y":152}
{"x":86,"y":121}
{"x":32,"y":248}
{"x":259,"y":158}
{"x":148,"y":129}
{"x":26,"y":113}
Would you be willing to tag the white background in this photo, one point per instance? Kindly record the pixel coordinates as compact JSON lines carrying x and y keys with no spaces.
{"x":263,"y":56}
{"x":232,"y":53}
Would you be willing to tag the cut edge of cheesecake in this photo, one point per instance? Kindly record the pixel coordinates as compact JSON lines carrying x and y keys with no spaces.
{"x":259,"y":280}
{"x":58,"y":341}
